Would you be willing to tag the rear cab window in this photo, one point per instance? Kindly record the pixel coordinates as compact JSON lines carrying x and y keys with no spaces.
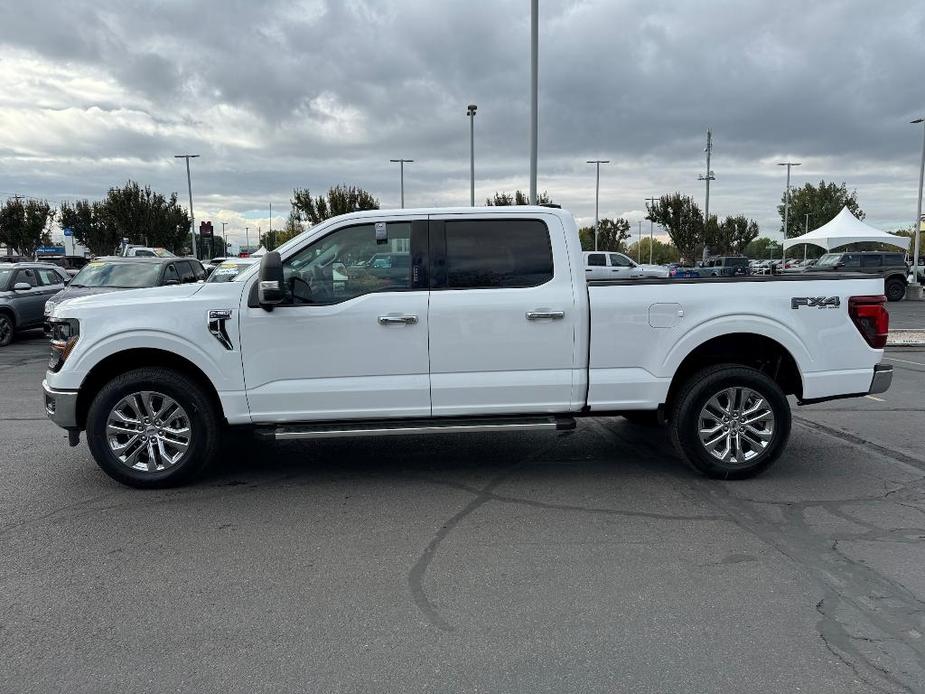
{"x":496,"y":254}
{"x":597,"y":260}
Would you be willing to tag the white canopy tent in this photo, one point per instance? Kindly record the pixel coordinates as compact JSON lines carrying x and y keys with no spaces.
{"x":845,"y":228}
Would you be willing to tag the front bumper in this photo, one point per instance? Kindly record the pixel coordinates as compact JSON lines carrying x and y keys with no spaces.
{"x":61,"y":406}
{"x":883,"y":377}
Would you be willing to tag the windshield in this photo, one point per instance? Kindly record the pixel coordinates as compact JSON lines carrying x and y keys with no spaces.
{"x":828,"y":260}
{"x":117,"y":275}
{"x":227,"y":271}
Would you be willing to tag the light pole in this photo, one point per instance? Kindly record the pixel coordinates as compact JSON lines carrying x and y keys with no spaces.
{"x":597,"y":193}
{"x":247,"y":243}
{"x":534,"y":90}
{"x":708,"y":176}
{"x":224,"y":239}
{"x":472,"y":108}
{"x":401,"y":163}
{"x":189,"y":185}
{"x":806,"y":245}
{"x":914,"y":289}
{"x":639,"y":244}
{"x":651,"y":227}
{"x":788,"y":164}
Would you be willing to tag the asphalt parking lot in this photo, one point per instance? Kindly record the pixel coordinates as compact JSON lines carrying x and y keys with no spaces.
{"x":509,"y":562}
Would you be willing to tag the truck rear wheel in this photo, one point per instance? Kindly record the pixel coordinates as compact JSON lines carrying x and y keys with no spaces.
{"x":152,"y":428}
{"x":730,"y":421}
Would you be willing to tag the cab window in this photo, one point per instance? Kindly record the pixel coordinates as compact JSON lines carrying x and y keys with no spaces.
{"x":350,"y":262}
{"x":28,"y":276}
{"x":597,"y":260}
{"x":171,"y":274}
{"x":871,"y":260}
{"x":49,"y":277}
{"x":620,"y":260}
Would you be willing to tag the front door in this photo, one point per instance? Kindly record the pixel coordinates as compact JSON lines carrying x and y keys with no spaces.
{"x":350,"y":342}
{"x":502,"y":317}
{"x":29,"y":303}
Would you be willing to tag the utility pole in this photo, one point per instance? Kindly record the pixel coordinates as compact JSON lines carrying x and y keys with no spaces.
{"x":707,"y":177}
{"x":472,"y":108}
{"x":401,"y":163}
{"x":189,"y":185}
{"x":651,"y":227}
{"x":247,"y":243}
{"x":914,"y":288}
{"x":597,"y":193}
{"x":788,"y":164}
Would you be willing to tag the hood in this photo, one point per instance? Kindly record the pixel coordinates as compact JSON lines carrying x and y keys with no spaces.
{"x":74,"y":292}
{"x":101,"y":297}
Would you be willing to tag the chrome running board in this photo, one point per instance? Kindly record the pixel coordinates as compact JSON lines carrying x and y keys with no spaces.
{"x":325,"y":430}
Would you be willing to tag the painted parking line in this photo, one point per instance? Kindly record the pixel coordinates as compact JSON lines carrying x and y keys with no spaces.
{"x":905,"y":361}
{"x":873,"y":397}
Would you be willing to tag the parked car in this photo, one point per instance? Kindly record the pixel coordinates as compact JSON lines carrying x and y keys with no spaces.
{"x":603,"y":265}
{"x":724,"y":266}
{"x":493,"y":326}
{"x":72,"y":264}
{"x":105,"y":275}
{"x":145,"y":252}
{"x":24,"y":289}
{"x":230,"y":268}
{"x":890,"y":266}
{"x":679,"y":271}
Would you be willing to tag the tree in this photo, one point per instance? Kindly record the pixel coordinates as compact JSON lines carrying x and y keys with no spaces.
{"x":682,"y":219}
{"x":611,"y":234}
{"x":761,"y":248}
{"x":821,"y":202}
{"x":132,"y":212}
{"x":340,"y":199}
{"x":22,"y":224}
{"x":731,"y":235}
{"x":518,"y":198}
{"x":662,"y":253}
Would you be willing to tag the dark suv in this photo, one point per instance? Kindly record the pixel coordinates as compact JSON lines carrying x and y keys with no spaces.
{"x":24,"y":289}
{"x":890,"y":266}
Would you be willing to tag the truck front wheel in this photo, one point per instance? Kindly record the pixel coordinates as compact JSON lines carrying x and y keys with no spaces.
{"x":152,"y":428}
{"x":730,"y":421}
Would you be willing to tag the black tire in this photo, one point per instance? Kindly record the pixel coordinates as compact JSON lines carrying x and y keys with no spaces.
{"x":700,"y":388}
{"x":643,"y":418}
{"x":7,"y":328}
{"x":204,"y":427}
{"x":895,"y":289}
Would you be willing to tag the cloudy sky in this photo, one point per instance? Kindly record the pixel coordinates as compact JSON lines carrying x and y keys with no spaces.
{"x":310,"y":93}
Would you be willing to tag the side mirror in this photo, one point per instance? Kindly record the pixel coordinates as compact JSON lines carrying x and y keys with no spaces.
{"x":271,"y":290}
{"x":66,"y":282}
{"x":22,"y":287}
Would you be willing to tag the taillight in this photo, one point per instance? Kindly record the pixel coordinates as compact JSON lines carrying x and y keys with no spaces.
{"x":871,"y":318}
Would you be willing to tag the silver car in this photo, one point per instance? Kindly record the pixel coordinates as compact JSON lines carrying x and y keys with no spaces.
{"x":24,"y":289}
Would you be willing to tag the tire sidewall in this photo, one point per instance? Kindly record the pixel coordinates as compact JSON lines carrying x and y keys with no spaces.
{"x":8,"y":338}
{"x":692,"y":402}
{"x":203,"y":434}
{"x":899,"y":294}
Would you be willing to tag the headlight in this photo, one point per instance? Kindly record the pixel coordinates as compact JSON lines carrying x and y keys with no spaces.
{"x":49,"y":307}
{"x":64,"y":335}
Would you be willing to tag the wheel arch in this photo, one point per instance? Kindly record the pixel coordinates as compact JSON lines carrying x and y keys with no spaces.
{"x":126,"y":360}
{"x":746,"y":349}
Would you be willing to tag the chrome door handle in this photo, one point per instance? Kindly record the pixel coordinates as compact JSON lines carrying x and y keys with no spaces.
{"x":393,"y":319}
{"x":540,"y":314}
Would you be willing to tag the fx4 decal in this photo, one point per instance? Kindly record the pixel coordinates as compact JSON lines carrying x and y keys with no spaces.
{"x":815,"y":301}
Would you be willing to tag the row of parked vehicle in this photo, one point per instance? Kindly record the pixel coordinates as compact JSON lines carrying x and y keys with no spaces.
{"x":29,"y":290}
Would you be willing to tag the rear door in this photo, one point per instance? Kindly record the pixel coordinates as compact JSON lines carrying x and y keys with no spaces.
{"x":502,"y":317}
{"x":596,"y":267}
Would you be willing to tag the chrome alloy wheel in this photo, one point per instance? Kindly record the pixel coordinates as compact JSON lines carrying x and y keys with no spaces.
{"x":736,"y":425}
{"x":148,"y":431}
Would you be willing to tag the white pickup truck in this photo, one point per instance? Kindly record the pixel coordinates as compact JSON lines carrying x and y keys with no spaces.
{"x":491,"y":326}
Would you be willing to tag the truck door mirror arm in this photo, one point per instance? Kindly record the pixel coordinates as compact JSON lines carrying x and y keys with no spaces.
{"x":271,"y":289}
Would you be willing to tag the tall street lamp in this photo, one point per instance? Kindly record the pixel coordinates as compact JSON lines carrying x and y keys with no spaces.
{"x":597,"y":193}
{"x":472,"y":108}
{"x":788,"y":164}
{"x":651,"y":227}
{"x":401,"y":163}
{"x":639,"y":244}
{"x":189,"y":185}
{"x":914,"y":289}
{"x":708,"y":176}
{"x":534,"y":91}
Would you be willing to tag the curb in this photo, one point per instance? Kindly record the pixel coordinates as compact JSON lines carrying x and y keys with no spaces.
{"x":907,"y":338}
